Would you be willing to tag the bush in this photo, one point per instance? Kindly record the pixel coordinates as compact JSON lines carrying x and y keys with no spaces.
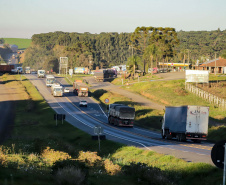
{"x":90,"y":158}
{"x":69,"y":163}
{"x":111,"y":168}
{"x":70,"y":176}
{"x":142,"y":172}
{"x":50,"y":156}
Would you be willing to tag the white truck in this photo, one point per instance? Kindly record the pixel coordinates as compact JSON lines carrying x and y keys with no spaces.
{"x":41,"y":73}
{"x":27,"y":70}
{"x":56,"y":89}
{"x":186,"y":122}
{"x":50,"y":80}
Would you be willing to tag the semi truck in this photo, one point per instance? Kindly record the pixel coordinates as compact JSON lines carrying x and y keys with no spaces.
{"x":186,"y":122}
{"x":27,"y":70}
{"x":50,"y":80}
{"x":105,"y":74}
{"x":80,"y":88}
{"x":121,"y":115}
{"x":56,"y":89}
{"x":41,"y":73}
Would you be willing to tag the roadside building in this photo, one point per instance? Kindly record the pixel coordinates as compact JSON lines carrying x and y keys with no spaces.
{"x":218,"y":66}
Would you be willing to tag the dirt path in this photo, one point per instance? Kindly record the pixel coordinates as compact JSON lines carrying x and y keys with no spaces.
{"x":133,"y":96}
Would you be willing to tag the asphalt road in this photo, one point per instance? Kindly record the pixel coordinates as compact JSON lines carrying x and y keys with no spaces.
{"x":87,"y":118}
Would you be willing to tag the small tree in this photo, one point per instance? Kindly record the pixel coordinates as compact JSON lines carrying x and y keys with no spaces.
{"x":133,"y":62}
{"x":151,"y":53}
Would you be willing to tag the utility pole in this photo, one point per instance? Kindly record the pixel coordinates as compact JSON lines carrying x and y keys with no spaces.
{"x":215,"y":70}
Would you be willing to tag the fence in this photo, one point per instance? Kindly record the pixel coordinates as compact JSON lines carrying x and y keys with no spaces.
{"x":220,"y":102}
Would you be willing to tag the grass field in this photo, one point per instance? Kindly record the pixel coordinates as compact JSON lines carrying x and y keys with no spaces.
{"x":21,"y":43}
{"x":28,"y":156}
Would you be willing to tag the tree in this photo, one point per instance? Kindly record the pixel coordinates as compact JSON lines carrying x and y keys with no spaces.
{"x":133,"y":63}
{"x":164,"y":38}
{"x":151,"y":52}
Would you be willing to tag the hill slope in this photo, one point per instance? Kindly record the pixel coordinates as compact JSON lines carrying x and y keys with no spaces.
{"x":21,"y":43}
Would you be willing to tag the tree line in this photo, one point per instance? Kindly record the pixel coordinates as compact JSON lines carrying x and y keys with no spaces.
{"x":143,"y":48}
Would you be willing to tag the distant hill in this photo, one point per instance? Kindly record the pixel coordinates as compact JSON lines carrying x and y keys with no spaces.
{"x":21,"y":43}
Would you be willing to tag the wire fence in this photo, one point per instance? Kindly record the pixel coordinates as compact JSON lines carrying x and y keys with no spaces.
{"x":219,"y":102}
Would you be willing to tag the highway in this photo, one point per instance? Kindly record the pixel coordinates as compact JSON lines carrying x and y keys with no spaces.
{"x":86,"y":118}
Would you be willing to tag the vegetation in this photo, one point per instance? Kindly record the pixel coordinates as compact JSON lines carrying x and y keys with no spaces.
{"x":21,"y":43}
{"x":38,"y":152}
{"x":109,"y":49}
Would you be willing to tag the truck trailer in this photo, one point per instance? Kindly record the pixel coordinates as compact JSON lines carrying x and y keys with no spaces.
{"x":185,"y":122}
{"x":105,"y":74}
{"x":6,"y":68}
{"x":121,"y":115}
{"x":56,"y":89}
{"x":80,"y":88}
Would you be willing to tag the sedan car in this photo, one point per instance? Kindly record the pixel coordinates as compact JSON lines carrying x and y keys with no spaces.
{"x":83,"y":103}
{"x":66,"y":90}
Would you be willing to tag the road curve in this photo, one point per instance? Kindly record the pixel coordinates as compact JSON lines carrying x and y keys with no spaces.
{"x":87,"y":118}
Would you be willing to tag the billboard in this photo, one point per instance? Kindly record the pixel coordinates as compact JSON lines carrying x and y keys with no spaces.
{"x":197,"y":76}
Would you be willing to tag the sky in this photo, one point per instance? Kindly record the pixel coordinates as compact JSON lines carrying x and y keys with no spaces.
{"x":24,"y":18}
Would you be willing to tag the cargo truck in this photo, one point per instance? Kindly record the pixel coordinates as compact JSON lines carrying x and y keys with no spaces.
{"x":56,"y":89}
{"x":50,"y":80}
{"x":27,"y":70}
{"x":121,"y":115}
{"x":41,"y":73}
{"x":105,"y":74}
{"x":80,"y":88}
{"x":186,"y":122}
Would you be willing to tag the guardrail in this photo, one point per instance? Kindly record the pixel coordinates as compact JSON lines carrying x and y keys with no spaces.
{"x":219,"y":102}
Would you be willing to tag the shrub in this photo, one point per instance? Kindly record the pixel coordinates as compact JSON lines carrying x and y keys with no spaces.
{"x":70,"y":176}
{"x":111,"y":168}
{"x":50,"y":156}
{"x":90,"y":158}
{"x":142,"y":172}
{"x":69,"y":163}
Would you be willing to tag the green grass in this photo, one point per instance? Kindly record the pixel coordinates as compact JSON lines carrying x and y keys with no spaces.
{"x":21,"y":43}
{"x":35,"y":129}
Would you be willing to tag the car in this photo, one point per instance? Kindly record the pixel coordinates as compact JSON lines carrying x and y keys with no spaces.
{"x":66,"y":90}
{"x":83,"y":103}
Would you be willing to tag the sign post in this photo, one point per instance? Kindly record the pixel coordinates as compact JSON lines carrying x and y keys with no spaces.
{"x":106,"y":101}
{"x":59,"y":117}
{"x":98,"y":130}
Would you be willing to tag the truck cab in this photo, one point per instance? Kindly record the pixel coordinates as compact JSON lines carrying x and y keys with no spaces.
{"x":41,"y":73}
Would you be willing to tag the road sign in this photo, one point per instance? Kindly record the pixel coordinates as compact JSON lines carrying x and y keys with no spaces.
{"x":106,"y":100}
{"x":98,"y":130}
{"x":217,"y":154}
{"x":59,"y":116}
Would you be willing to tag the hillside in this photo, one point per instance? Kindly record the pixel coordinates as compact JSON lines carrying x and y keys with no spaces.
{"x":21,"y":43}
